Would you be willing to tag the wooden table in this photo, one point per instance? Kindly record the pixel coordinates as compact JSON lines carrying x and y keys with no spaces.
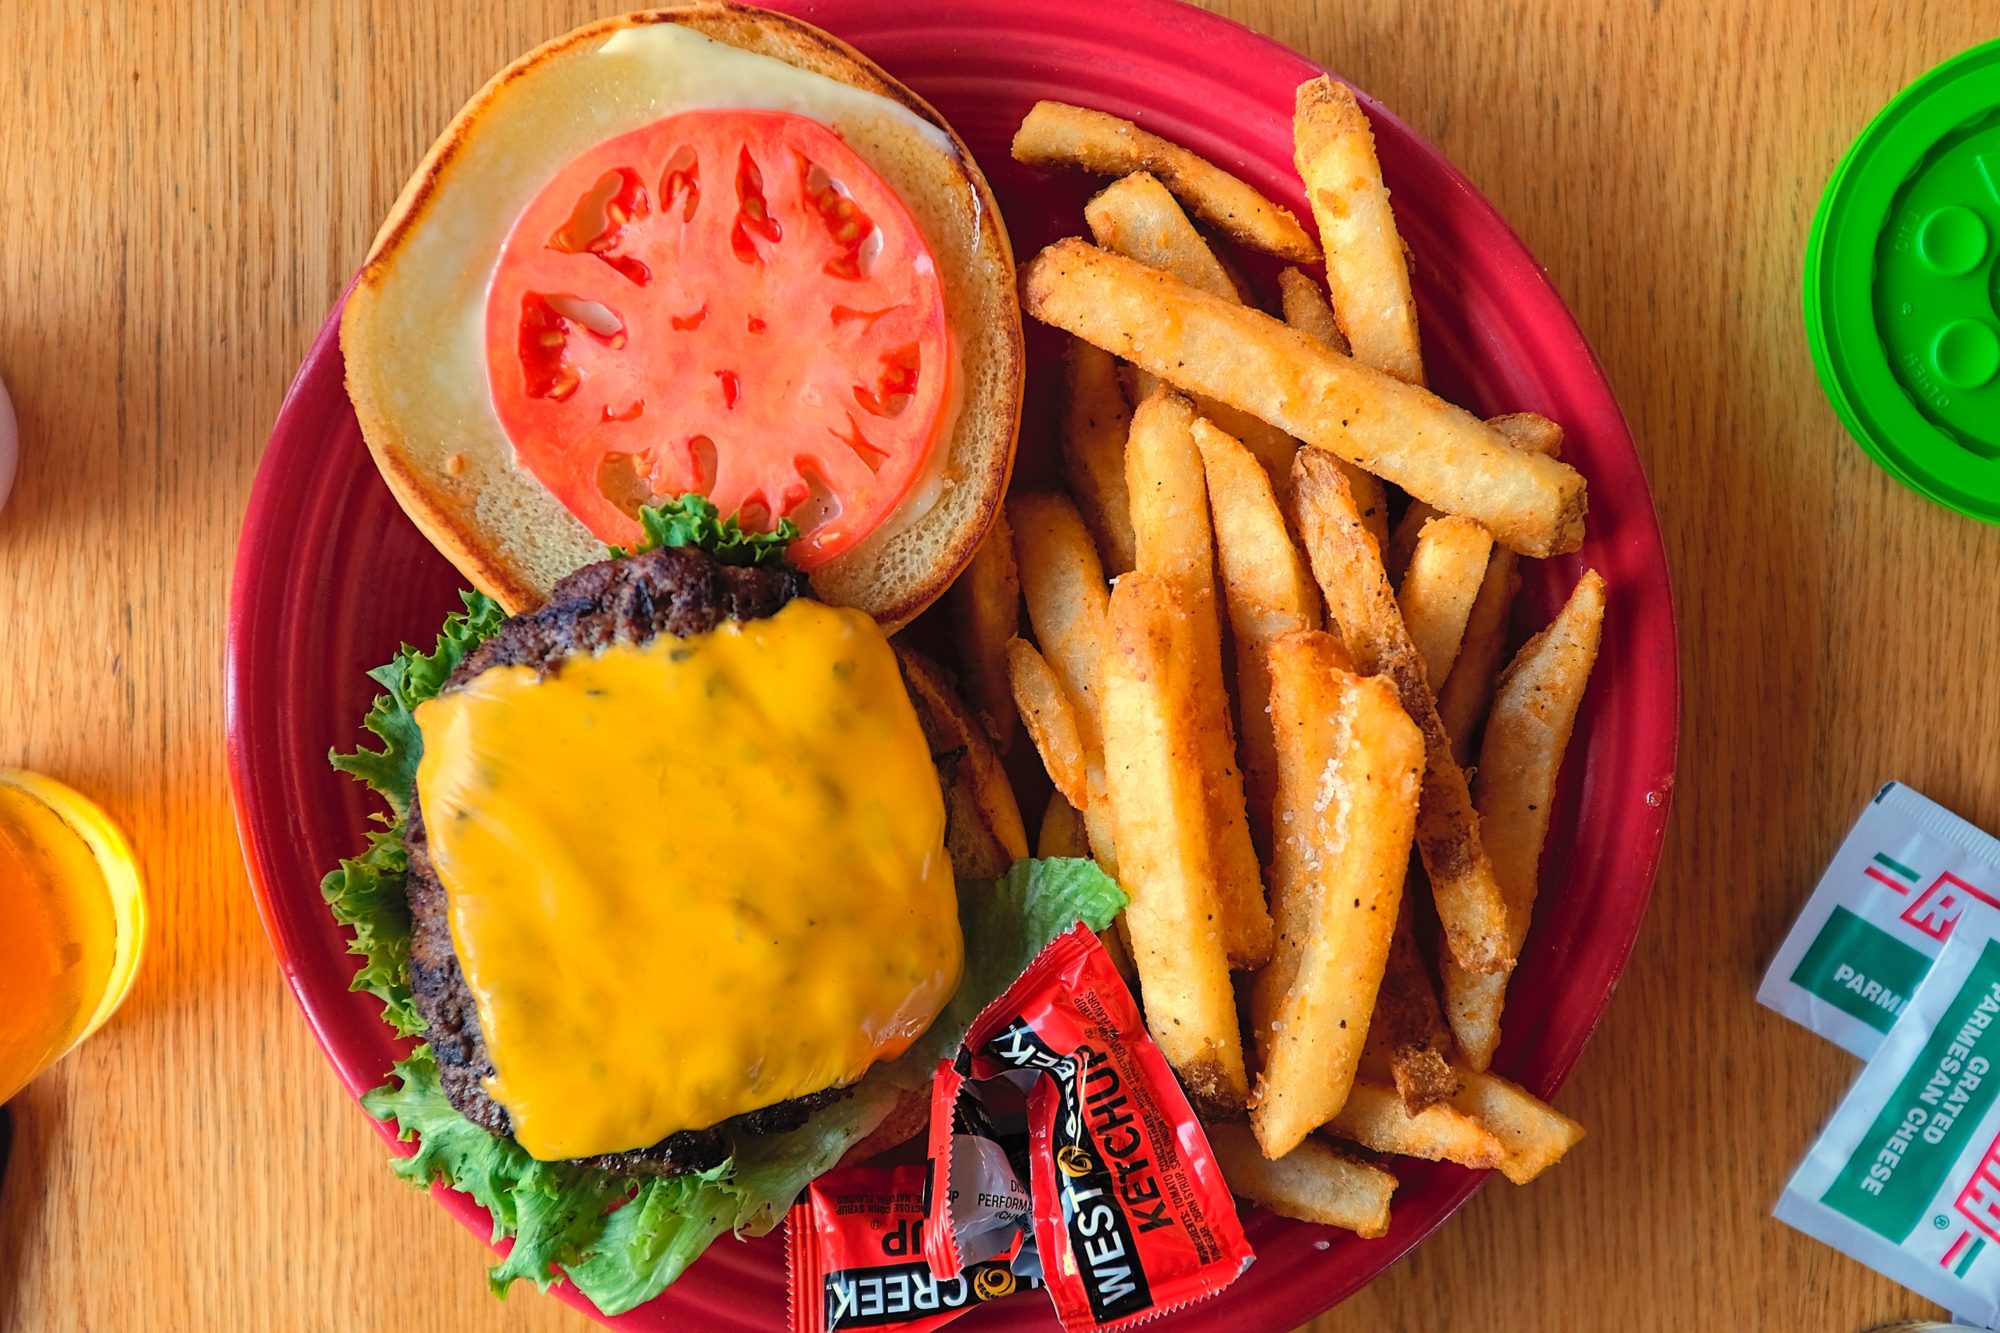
{"x":185,"y":186}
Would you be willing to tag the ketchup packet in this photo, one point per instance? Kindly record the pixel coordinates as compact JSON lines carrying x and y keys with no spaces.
{"x":854,"y":1247}
{"x":1131,"y":1216}
{"x":981,"y":1207}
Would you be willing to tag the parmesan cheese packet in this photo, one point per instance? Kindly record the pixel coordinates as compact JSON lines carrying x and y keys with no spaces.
{"x":1906,"y":1176}
{"x":1879,"y":915}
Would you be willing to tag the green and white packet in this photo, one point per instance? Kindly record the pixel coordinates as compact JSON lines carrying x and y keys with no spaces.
{"x":1884,"y":907}
{"x":1906,"y":1176}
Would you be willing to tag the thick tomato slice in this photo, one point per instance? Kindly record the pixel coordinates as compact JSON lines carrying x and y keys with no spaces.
{"x":729,"y":302}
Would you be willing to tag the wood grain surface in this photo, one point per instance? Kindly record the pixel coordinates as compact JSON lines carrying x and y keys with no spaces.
{"x":185,"y":186}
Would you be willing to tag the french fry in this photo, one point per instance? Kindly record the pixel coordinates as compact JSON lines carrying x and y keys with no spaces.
{"x":1349,"y":768}
{"x":1527,"y":431}
{"x":1103,"y":834}
{"x":1358,"y":601}
{"x":1408,"y":1042}
{"x":1061,"y":832}
{"x":983,"y":832}
{"x":1153,"y":778}
{"x":1439,"y":588}
{"x":1530,"y":432}
{"x":1375,"y":1118}
{"x":1128,"y":380}
{"x":1095,"y":420}
{"x":1534,"y":711}
{"x":1163,"y":472}
{"x":1307,"y":311}
{"x":1245,"y":293}
{"x":1533,"y":1135}
{"x":1137,"y":217}
{"x":1242,"y":357}
{"x":1466,"y":689}
{"x":1062,"y":582}
{"x":986,"y":610}
{"x":1267,"y":592}
{"x":1050,"y":717}
{"x":1463,"y":697}
{"x":1334,"y":150}
{"x":1312,"y":1183}
{"x":1056,"y":134}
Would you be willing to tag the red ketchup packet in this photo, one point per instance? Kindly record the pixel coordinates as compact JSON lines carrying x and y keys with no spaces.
{"x":980,"y":1204}
{"x":854,"y":1248}
{"x":1131,"y":1216}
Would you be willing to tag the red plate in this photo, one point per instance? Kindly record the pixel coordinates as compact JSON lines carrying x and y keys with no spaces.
{"x":330,"y":577}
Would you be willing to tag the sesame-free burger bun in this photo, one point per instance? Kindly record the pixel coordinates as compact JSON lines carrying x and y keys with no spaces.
{"x":414,"y":328}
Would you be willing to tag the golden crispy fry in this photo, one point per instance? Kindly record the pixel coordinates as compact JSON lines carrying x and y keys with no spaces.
{"x":1050,"y":718}
{"x":1242,"y":357}
{"x":1533,"y":1135}
{"x":1128,"y":381}
{"x":1358,"y":601}
{"x":1438,"y":590}
{"x":982,"y":822}
{"x":1271,"y":447}
{"x":1163,"y":472}
{"x":1095,"y":419}
{"x":1267,"y":592}
{"x":1350,"y":764}
{"x":1375,"y":1118}
{"x":1408,"y":1042}
{"x":986,"y":610}
{"x":1062,"y":583}
{"x":1313,"y":1182}
{"x":1534,"y":711}
{"x":1530,"y":432}
{"x":1136,"y":216}
{"x":1472,"y":1005}
{"x":1056,"y":134}
{"x":1118,"y":947}
{"x":1463,"y":696}
{"x":1061,"y":832}
{"x":1245,"y":292}
{"x":1103,"y":834}
{"x":1334,"y":150}
{"x":1527,"y":431}
{"x":1153,"y":772}
{"x":1306,"y":310}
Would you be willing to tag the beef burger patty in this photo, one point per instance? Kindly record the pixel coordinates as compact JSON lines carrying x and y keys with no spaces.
{"x":677,"y":591}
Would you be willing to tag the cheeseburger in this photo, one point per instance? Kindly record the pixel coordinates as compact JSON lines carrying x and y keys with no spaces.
{"x":680,"y":835}
{"x":677,"y":867}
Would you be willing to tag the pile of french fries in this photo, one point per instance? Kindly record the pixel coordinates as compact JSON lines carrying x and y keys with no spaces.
{"x":1255,"y":695}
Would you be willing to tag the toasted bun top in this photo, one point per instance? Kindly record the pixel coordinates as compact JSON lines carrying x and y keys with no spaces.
{"x":413,"y":331}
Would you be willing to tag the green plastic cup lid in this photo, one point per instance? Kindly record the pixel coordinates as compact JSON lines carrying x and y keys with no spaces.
{"x":1902,"y":285}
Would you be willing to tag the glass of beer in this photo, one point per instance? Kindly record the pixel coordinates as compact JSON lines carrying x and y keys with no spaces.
{"x":72,"y":923}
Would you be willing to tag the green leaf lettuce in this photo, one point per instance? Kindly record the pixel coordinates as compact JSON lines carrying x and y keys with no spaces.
{"x":692,"y":520}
